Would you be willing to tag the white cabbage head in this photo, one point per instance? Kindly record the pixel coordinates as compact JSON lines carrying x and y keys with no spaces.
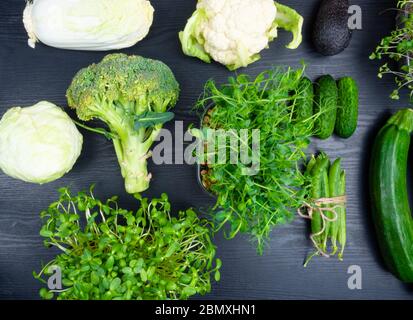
{"x":38,"y":144}
{"x":96,"y":25}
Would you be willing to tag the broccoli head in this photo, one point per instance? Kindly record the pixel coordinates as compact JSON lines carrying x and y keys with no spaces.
{"x":132,"y":95}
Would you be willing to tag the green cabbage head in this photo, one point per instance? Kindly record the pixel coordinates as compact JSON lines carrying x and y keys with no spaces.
{"x":38,"y":144}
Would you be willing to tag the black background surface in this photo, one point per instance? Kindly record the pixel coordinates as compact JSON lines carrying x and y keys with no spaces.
{"x":28,"y":76}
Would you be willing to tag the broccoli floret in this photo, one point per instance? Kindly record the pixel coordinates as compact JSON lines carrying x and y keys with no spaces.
{"x":121,"y":90}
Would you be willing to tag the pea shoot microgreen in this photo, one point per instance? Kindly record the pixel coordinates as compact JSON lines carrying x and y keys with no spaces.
{"x":398,"y":46}
{"x":255,"y":204}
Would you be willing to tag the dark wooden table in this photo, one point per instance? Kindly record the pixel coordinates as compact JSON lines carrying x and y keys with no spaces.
{"x":28,"y":76}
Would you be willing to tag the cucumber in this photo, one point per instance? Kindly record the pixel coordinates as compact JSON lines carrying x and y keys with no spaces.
{"x":325,"y":105}
{"x":348,"y":107}
{"x":388,"y":186}
{"x":304,"y":104}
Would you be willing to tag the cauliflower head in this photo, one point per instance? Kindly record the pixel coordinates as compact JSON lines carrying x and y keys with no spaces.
{"x":234,"y":32}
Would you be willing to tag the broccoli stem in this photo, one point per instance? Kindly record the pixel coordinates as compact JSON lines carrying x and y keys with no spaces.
{"x":132,"y":155}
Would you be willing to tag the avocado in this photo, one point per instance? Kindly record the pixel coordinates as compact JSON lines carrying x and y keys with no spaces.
{"x":331,"y":34}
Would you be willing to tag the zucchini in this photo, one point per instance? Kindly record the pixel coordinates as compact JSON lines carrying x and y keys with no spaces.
{"x":348,"y":107}
{"x":305,"y":100}
{"x":390,"y":203}
{"x":325,"y":106}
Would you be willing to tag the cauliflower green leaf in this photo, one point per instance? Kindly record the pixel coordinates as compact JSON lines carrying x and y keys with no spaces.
{"x":191,"y":38}
{"x":289,"y":20}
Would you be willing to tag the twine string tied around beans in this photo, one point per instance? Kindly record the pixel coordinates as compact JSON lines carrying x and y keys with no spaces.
{"x":317,"y":206}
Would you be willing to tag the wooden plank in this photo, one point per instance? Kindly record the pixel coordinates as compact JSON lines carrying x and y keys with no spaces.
{"x":27,"y":76}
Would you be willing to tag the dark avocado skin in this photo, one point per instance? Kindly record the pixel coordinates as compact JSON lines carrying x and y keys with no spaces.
{"x":331,"y":34}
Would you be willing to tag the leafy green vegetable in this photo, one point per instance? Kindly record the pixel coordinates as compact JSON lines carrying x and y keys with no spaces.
{"x":120,"y":254}
{"x":151,"y":119}
{"x":255,"y":204}
{"x":289,"y":20}
{"x":126,"y":92}
{"x":398,"y":46}
{"x":191,"y":39}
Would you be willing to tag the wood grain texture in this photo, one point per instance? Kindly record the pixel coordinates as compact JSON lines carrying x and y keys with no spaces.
{"x":27,"y":76}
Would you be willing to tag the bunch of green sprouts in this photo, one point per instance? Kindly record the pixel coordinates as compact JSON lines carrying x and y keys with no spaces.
{"x":398,"y":46}
{"x":255,"y":204}
{"x":120,"y":254}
